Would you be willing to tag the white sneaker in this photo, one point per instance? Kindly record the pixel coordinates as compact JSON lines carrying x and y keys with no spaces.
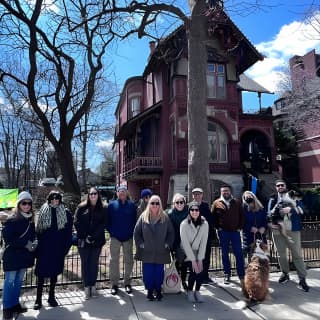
{"x":198,"y":296}
{"x":190,"y":296}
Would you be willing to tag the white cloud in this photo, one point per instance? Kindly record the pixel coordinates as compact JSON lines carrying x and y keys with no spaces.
{"x":104,"y":143}
{"x":296,"y":38}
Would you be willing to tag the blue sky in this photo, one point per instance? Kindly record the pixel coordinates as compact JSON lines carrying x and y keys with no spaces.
{"x":276,"y":30}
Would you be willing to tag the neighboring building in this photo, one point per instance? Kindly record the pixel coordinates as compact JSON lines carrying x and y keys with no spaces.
{"x":152,"y":128}
{"x":305,"y":80}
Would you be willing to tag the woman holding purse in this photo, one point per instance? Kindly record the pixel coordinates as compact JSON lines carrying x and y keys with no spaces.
{"x":19,"y":237}
{"x":194,"y":235}
{"x":90,"y":222}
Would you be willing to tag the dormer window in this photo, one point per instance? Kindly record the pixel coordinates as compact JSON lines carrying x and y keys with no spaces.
{"x":134,"y":106}
{"x":216,"y":80}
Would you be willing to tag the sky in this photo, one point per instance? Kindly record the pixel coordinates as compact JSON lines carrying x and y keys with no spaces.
{"x":277,"y":31}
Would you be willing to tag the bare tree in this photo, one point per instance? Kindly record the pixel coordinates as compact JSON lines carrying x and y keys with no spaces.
{"x":53,"y":55}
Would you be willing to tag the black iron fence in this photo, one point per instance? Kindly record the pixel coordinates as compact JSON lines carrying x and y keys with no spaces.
{"x":310,"y":238}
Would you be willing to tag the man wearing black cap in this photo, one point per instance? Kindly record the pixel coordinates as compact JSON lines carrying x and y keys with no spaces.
{"x":197,"y":195}
{"x":122,"y":216}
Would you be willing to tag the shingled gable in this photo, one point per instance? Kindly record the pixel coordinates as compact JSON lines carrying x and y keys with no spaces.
{"x":220,"y":26}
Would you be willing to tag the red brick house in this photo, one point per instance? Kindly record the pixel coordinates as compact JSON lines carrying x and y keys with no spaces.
{"x":151,"y":133}
{"x":305,"y":91}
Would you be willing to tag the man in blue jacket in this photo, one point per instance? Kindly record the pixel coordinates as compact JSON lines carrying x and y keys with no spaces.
{"x":281,"y":204}
{"x":122,"y":216}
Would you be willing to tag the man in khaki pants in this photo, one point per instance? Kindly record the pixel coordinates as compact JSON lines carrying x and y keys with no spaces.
{"x":122,"y":216}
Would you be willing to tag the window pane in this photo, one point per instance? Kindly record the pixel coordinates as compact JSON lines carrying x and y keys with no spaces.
{"x":211,"y":67}
{"x":220,"y":68}
{"x":211,"y":89}
{"x":221,"y":86}
{"x":217,"y":144}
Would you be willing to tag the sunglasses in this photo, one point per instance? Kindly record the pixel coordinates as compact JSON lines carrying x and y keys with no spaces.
{"x":193,"y":209}
{"x":26,"y":203}
{"x":155,"y":203}
{"x":179,"y":202}
{"x":280,"y":185}
{"x":55,"y":198}
{"x":249,"y":200}
{"x":93,"y":193}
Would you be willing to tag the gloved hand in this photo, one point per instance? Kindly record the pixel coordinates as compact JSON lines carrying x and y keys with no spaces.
{"x":200,"y":266}
{"x":195,"y":266}
{"x":89,"y":239}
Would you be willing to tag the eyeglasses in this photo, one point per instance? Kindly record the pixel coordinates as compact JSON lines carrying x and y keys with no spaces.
{"x":280,"y":185}
{"x":93,"y":193}
{"x":193,"y":209}
{"x":179,"y":202}
{"x":155,"y":203}
{"x":26,"y":203}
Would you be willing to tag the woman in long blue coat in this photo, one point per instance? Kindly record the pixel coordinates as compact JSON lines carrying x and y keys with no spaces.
{"x":54,"y":231}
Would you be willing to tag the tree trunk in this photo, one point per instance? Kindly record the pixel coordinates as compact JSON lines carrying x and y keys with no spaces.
{"x":198,"y":163}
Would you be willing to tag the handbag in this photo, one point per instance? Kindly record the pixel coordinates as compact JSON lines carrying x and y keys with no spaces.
{"x":171,"y":280}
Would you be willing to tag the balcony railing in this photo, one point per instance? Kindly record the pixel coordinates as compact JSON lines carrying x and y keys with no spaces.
{"x":142,"y":164}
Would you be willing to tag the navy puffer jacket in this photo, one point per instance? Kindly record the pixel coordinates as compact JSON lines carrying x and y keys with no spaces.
{"x":16,"y":256}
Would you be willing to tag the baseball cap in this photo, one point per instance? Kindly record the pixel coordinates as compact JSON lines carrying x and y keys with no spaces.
{"x":197,"y":190}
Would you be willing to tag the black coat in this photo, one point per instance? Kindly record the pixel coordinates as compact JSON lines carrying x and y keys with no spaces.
{"x":91,"y":222}
{"x":16,"y":256}
{"x":53,"y":246}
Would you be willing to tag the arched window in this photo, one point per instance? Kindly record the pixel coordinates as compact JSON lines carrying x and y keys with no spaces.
{"x":217,"y":143}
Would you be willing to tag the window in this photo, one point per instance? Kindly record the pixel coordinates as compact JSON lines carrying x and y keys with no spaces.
{"x":134,"y":106}
{"x":217,"y":144}
{"x":216,"y":84}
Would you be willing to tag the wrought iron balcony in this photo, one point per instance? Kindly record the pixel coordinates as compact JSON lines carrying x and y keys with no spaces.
{"x":142,"y":165}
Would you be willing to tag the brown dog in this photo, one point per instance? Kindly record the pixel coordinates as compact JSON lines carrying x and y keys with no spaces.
{"x":256,"y":280}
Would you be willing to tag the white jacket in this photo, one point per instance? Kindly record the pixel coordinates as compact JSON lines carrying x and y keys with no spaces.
{"x":194,"y":242}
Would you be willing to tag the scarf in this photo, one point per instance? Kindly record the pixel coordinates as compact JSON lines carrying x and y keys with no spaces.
{"x":44,"y":218}
{"x":26,"y":215}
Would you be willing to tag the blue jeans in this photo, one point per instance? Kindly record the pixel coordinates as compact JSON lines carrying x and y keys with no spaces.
{"x":12,"y":287}
{"x":89,"y":265}
{"x":234,"y":237}
{"x":153,"y":275}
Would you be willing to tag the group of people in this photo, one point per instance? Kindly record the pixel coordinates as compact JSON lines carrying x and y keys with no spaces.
{"x":184,"y":233}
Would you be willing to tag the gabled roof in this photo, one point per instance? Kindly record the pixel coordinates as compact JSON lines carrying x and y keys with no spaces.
{"x":249,"y":54}
{"x":248,"y":84}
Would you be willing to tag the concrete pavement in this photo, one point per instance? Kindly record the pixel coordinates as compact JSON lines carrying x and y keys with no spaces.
{"x":221,"y":302}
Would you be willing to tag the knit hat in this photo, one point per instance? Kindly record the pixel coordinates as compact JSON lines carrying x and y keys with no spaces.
{"x":122,"y":188}
{"x":146,"y":193}
{"x":24,"y":195}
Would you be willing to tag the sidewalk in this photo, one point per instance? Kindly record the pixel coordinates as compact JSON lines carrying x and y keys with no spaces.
{"x":222,"y":302}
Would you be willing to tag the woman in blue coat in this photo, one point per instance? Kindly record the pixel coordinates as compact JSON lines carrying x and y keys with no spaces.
{"x":255,"y":222}
{"x":19,"y":237}
{"x":54,"y":231}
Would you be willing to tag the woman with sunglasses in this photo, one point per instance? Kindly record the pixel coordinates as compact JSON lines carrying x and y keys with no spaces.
{"x":177,"y":214}
{"x":194,"y":235}
{"x":255,"y":222}
{"x":90,"y":222}
{"x":19,"y":242}
{"x":54,"y":231}
{"x":154,"y":236}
